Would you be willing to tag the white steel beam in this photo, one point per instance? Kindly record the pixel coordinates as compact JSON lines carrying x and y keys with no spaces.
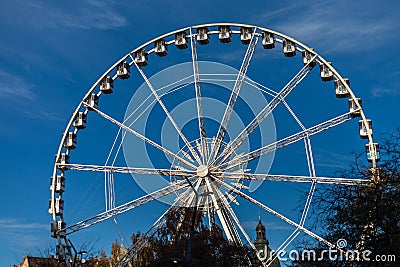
{"x":220,"y":215}
{"x":189,"y":146}
{"x":293,"y":178}
{"x":200,"y":117}
{"x":232,"y":100}
{"x":126,"y":207}
{"x":117,"y":169}
{"x":311,"y":168}
{"x":266,"y":111}
{"x":235,"y":218}
{"x":144,"y":138}
{"x":238,"y":161}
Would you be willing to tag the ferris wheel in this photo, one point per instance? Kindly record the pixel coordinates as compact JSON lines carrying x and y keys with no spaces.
{"x":187,"y":128}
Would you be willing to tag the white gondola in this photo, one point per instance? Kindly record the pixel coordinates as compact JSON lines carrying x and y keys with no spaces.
{"x":326,"y":72}
{"x":58,"y":229}
{"x":93,"y":101}
{"x":373,"y":152}
{"x":161,"y":48}
{"x":70,"y":141}
{"x":80,"y":121}
{"x":289,"y":49}
{"x":123,"y":70}
{"x":141,"y":58}
{"x":353,"y":108}
{"x":202,"y":36}
{"x":245,"y":35}
{"x":365,"y":128}
{"x":224,"y":34}
{"x":268,"y":40}
{"x":307,"y":57}
{"x":58,"y":206}
{"x":107,"y":85}
{"x":59,"y":183}
{"x":341,"y":90}
{"x":181,"y":40}
{"x":63,"y":159}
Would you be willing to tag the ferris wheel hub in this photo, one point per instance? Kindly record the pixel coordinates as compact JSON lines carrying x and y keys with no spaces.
{"x":202,"y":171}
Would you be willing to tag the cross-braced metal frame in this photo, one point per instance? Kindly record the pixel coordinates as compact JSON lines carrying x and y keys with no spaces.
{"x":208,"y":161}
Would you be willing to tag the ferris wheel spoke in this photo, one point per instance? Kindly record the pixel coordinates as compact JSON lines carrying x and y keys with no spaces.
{"x":189,"y":146}
{"x":293,"y":178}
{"x":232,"y":100}
{"x":272,"y":93}
{"x":235,"y":218}
{"x":255,"y":154}
{"x":273,"y":212}
{"x":176,"y":88}
{"x":265,"y":112}
{"x":149,"y":105}
{"x":144,"y":138}
{"x":116,"y":169}
{"x":200,"y":117}
{"x":165,"y":191}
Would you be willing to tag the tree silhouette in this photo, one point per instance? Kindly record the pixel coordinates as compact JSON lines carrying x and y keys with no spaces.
{"x":210,"y":248}
{"x":367,"y":217}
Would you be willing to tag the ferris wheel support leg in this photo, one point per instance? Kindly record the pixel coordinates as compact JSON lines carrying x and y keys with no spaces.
{"x":218,"y":210}
{"x":235,"y":218}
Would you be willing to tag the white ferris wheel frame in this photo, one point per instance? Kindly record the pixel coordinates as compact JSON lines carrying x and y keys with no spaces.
{"x":206,"y":157}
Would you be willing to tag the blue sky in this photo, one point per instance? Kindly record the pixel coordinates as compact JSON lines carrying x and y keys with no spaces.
{"x":50,"y":54}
